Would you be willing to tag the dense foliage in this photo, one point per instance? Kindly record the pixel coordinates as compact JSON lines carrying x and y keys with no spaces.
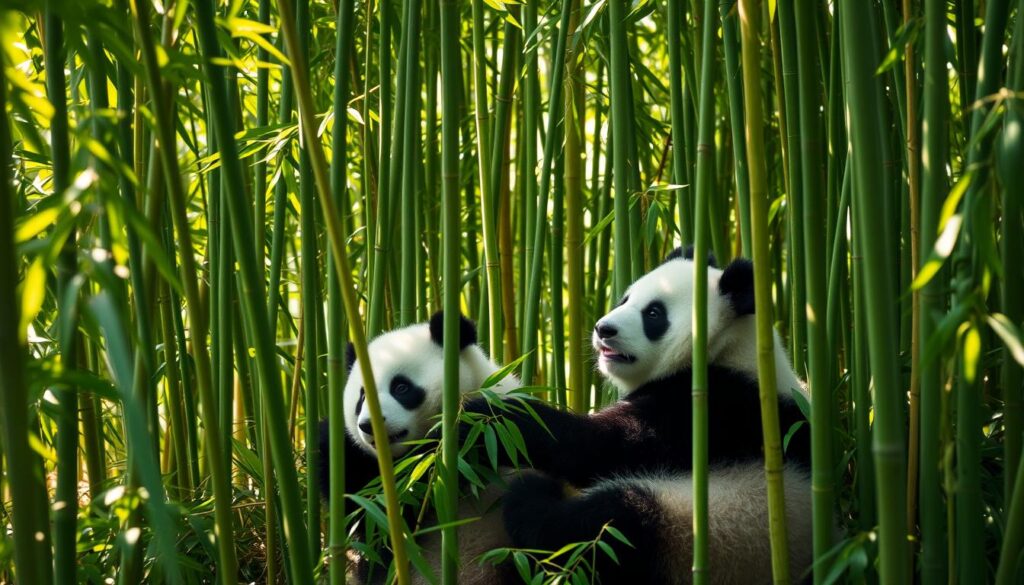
{"x":202,"y":202}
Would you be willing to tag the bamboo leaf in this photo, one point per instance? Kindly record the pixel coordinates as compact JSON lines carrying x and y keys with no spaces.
{"x":1010,"y":335}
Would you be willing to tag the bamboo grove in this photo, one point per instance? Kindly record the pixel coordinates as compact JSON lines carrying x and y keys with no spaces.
{"x":202,"y":203}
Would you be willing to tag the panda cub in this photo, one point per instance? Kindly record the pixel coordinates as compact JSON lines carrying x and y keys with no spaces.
{"x":408,"y":367}
{"x":632,"y":460}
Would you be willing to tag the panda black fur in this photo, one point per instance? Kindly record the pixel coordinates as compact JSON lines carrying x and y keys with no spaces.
{"x":407,"y":364}
{"x":632,"y":460}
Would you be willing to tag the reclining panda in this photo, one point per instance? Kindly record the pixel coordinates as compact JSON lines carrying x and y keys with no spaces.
{"x":407,"y":366}
{"x":632,"y":460}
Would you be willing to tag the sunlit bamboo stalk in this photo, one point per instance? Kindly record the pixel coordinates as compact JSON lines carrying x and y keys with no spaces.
{"x":750,"y":28}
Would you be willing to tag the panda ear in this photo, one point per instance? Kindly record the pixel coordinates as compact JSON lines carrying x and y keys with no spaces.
{"x":467,"y":330}
{"x":737,"y":283}
{"x":350,"y":357}
{"x":686,"y":253}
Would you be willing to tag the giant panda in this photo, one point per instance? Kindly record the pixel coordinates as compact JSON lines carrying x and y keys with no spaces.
{"x":408,"y":369}
{"x":632,"y":460}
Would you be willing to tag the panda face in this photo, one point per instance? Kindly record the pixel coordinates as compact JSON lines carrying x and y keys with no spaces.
{"x":407,"y":367}
{"x":648,"y":336}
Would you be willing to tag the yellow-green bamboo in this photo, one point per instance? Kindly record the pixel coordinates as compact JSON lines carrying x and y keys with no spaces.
{"x":750,"y":28}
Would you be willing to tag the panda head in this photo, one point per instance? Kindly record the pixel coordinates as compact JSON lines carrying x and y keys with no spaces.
{"x":648,"y":336}
{"x":408,"y":367}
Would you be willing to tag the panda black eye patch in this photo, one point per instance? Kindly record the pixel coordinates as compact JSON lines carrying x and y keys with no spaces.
{"x":655,"y":320}
{"x":408,"y":394}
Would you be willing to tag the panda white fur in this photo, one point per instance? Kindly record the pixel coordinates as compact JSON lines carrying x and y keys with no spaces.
{"x":408,"y":369}
{"x":632,"y":460}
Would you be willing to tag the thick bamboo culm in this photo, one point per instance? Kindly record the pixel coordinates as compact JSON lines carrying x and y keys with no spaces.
{"x":202,"y":203}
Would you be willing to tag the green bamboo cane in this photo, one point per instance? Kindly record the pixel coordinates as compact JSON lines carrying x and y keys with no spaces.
{"x":530,"y":314}
{"x":312,"y":315}
{"x":1010,"y":156}
{"x":1012,"y":252}
{"x":382,"y":247}
{"x":499,"y":177}
{"x":734,"y":88}
{"x":259,"y":168}
{"x":864,"y":104}
{"x":251,"y":292}
{"x":66,"y":497}
{"x":933,"y":194}
{"x":528,"y":191}
{"x":621,"y":118}
{"x":175,"y":407}
{"x":556,"y":275}
{"x":489,"y":221}
{"x":818,"y":352}
{"x":575,"y":118}
{"x":450,"y":65}
{"x":914,"y":201}
{"x":334,"y":235}
{"x":337,"y":533}
{"x":976,"y":238}
{"x":796,"y":280}
{"x":705,"y":178}
{"x":29,"y":514}
{"x":751,"y":53}
{"x":675,"y":18}
{"x":411,"y":162}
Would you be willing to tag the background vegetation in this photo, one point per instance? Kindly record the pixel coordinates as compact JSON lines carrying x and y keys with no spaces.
{"x":182,"y":260}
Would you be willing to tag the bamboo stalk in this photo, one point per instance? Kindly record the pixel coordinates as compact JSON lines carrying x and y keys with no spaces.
{"x":336,"y":371}
{"x":621,"y":118}
{"x":699,"y":389}
{"x":864,"y":104}
{"x":750,"y":13}
{"x":451,"y":230}
{"x":933,"y":193}
{"x":66,"y":497}
{"x":29,"y":514}
{"x":820,"y":382}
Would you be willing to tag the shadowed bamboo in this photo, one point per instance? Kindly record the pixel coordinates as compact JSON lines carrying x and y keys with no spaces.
{"x":675,"y":18}
{"x":337,"y":533}
{"x":1010,"y":158}
{"x":934,"y":560}
{"x":29,"y":510}
{"x":818,"y":352}
{"x":750,"y":27}
{"x":734,"y":88}
{"x":864,"y":104}
{"x":976,"y":239}
{"x":66,"y":497}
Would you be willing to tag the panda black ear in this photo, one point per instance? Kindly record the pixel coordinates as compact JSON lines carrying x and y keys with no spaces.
{"x":687,"y":254}
{"x":350,"y":356}
{"x":467,"y":330}
{"x":737,"y":283}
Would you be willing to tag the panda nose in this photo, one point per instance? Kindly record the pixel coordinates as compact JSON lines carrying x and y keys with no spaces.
{"x":366,"y":427}
{"x":604,"y":330}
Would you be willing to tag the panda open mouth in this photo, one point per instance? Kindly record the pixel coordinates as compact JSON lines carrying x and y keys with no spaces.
{"x":615,"y":356}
